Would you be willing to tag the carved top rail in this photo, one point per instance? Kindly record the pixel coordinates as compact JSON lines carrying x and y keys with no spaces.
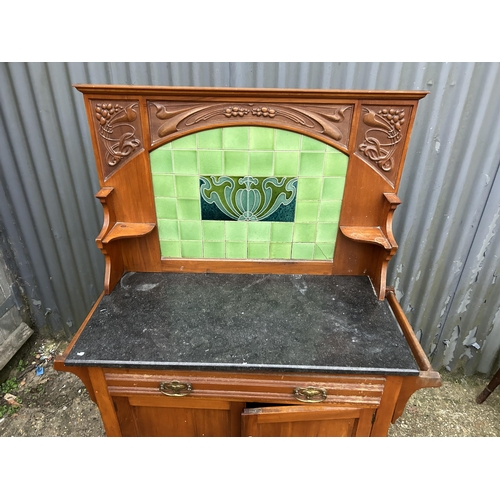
{"x":370,"y":128}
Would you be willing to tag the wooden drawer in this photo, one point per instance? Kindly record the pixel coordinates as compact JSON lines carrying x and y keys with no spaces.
{"x":341,"y":390}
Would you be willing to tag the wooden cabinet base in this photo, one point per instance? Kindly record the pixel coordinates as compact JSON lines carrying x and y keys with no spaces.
{"x":133,"y":403}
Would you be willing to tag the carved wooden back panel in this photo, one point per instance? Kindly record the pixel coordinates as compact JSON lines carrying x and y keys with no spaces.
{"x":248,"y":180}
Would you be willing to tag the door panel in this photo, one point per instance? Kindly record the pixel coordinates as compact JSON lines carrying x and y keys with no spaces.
{"x":187,"y":422}
{"x":303,"y":421}
{"x":162,"y":417}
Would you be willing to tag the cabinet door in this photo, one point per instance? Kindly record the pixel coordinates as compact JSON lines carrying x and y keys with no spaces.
{"x":156,"y":417}
{"x":305,"y":421}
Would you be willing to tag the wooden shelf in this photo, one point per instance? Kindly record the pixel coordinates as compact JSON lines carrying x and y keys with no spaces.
{"x":128,"y":230}
{"x":373,"y":235}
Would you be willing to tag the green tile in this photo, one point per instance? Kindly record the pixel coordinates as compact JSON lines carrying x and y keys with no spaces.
{"x":259,"y":231}
{"x":329,"y":211}
{"x":163,"y":186}
{"x":236,"y":250}
{"x":304,"y":233}
{"x":286,"y":163}
{"x":324,"y":251}
{"x":303,"y":251}
{"x":261,"y":138}
{"x":333,"y":188}
{"x":161,"y":160}
{"x":280,"y":250}
{"x":318,"y":253}
{"x":186,"y":142}
{"x":326,"y":232}
{"x":187,"y":186}
{"x":170,"y":248}
{"x":210,"y":162}
{"x":166,"y":208}
{"x":185,"y":162}
{"x":261,"y":163}
{"x":311,"y":164}
{"x":190,"y":230}
{"x":236,"y":231}
{"x":281,"y":232}
{"x":235,"y":138}
{"x":336,"y":164}
{"x":258,"y":250}
{"x":210,"y":139}
{"x":307,"y":211}
{"x":213,"y":230}
{"x":236,"y":163}
{"x":310,"y":144}
{"x":189,"y":209}
{"x":192,"y":249}
{"x":213,"y":249}
{"x":168,"y":229}
{"x":287,"y":141}
{"x":309,"y":188}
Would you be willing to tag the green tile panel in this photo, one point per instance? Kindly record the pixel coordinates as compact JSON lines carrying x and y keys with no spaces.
{"x":239,"y":151}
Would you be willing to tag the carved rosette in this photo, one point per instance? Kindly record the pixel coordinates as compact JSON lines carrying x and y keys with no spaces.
{"x":381,"y":136}
{"x":332,"y":122}
{"x":119,"y":132}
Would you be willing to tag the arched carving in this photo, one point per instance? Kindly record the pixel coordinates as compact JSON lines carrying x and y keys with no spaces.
{"x":331,"y":122}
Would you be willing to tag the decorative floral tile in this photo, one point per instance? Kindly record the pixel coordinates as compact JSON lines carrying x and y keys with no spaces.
{"x":248,"y":198}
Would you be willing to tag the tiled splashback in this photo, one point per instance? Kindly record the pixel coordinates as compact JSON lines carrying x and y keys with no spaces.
{"x":248,"y":193}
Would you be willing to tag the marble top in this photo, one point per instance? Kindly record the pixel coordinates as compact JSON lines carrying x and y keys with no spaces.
{"x":321,"y":324}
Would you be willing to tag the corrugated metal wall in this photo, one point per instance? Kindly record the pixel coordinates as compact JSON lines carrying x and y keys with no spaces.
{"x":445,"y":271}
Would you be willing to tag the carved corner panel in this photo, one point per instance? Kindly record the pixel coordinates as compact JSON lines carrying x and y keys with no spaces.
{"x":119,"y":134}
{"x":381,"y":137}
{"x":331,"y":122}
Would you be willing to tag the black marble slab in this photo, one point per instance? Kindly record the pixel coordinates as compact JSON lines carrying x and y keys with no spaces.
{"x":324,"y":324}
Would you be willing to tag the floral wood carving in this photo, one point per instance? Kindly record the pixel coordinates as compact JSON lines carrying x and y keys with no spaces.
{"x":323,"y":121}
{"x":380,"y":139}
{"x":118,"y":127}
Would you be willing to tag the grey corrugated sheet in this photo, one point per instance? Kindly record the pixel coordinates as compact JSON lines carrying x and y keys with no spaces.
{"x":444,"y":272}
{"x":453,"y":191}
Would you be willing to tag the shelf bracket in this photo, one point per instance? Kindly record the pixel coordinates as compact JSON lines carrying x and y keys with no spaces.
{"x":112,"y":231}
{"x":382,"y":237}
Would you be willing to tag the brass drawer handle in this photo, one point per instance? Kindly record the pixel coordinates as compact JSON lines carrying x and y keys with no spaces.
{"x":309,"y":394}
{"x":175,"y":388}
